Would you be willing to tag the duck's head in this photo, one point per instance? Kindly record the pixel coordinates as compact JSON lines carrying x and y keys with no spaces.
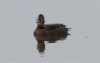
{"x":40,"y":20}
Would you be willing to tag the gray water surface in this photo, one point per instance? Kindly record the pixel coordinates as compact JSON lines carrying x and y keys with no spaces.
{"x":18,"y":22}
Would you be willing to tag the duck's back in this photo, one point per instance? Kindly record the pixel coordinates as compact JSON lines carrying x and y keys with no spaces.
{"x":55,"y":29}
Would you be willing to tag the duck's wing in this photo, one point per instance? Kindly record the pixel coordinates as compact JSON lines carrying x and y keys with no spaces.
{"x":54,"y":26}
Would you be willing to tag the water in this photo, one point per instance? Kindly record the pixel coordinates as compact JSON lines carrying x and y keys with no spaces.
{"x":18,"y":22}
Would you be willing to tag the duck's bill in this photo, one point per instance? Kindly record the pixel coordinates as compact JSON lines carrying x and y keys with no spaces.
{"x":37,"y":21}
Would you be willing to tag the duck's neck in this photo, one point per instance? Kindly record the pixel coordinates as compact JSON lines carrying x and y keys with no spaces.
{"x":40,"y":27}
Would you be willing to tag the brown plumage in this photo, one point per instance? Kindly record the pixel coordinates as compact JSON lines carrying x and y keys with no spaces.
{"x":49,"y":29}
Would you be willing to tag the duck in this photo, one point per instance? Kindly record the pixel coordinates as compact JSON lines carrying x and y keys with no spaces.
{"x":49,"y":29}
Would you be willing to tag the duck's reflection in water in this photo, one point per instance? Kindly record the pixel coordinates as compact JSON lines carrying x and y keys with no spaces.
{"x":41,"y":46}
{"x":50,"y":39}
